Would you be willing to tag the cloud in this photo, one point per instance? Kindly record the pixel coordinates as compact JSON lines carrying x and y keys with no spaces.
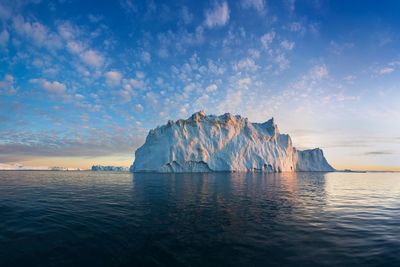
{"x":258,"y":5}
{"x":94,"y":18}
{"x":244,"y":83}
{"x":17,"y":166}
{"x":350,"y":78}
{"x":291,"y":5}
{"x":75,"y":47}
{"x":146,"y":57}
{"x":218,"y":15}
{"x":112,"y":141}
{"x":4,"y":37}
{"x":52,"y":87}
{"x":385,"y":70}
{"x":37,"y":32}
{"x":339,"y":97}
{"x":232,"y":101}
{"x":388,"y":68}
{"x":139,"y":108}
{"x":130,"y":85}
{"x":296,"y":27}
{"x":254,"y":53}
{"x":7,"y":85}
{"x":151,"y":99}
{"x":287,"y":45}
{"x":92,"y":58}
{"x":163,"y":52}
{"x":281,"y":60}
{"x":128,"y":6}
{"x":339,"y":48}
{"x":246,"y":64}
{"x":211,"y":88}
{"x":267,"y":39}
{"x":113,"y":78}
{"x":201,"y":102}
{"x":377,"y":153}
{"x":186,"y":16}
{"x":319,"y":72}
{"x":67,"y":31}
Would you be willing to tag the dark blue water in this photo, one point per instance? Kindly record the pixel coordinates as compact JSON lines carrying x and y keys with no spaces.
{"x":120,"y":219}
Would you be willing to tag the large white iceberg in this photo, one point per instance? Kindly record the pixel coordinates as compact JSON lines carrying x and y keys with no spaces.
{"x":207,"y":143}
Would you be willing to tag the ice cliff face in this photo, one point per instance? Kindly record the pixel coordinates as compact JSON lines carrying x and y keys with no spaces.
{"x":223,"y":143}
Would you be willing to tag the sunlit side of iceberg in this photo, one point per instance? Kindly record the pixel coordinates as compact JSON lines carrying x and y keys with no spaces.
{"x":223,"y":143}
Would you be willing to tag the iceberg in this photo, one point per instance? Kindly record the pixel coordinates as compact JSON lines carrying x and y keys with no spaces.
{"x":209,"y":143}
{"x":109,"y":168}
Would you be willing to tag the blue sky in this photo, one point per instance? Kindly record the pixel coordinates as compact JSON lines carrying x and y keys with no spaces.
{"x":82,"y":82}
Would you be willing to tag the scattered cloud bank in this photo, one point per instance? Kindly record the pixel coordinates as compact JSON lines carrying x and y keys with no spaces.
{"x":74,"y":76}
{"x":258,"y":5}
{"x":50,"y":86}
{"x":218,"y":15}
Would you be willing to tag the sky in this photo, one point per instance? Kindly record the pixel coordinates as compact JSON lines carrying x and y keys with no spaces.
{"x":82,"y":82}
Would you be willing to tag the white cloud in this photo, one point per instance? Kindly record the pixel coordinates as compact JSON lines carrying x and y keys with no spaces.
{"x":246,"y":64}
{"x":7,"y":85}
{"x":129,"y":86}
{"x":94,"y":18}
{"x":386,"y":70}
{"x":338,"y":49}
{"x":79,"y":97}
{"x":163,"y":52}
{"x":291,"y":5}
{"x":281,"y":60}
{"x":139,"y":108}
{"x":140,"y":75}
{"x":211,"y":88}
{"x":146,"y":57}
{"x":37,"y":32}
{"x":218,"y":15}
{"x":254,"y":53}
{"x":339,"y":97}
{"x":350,"y":78}
{"x":258,"y":5}
{"x":133,"y":83}
{"x":129,"y":6}
{"x":287,"y":45}
{"x":201,"y":102}
{"x":267,"y":39}
{"x":232,"y":101}
{"x":113,"y":78}
{"x":4,"y":37}
{"x":296,"y":27}
{"x":92,"y":58}
{"x":75,"y":47}
{"x":319,"y":72}
{"x":67,"y":31}
{"x":244,"y":83}
{"x":187,"y":17}
{"x":52,"y":87}
{"x":151,"y":99}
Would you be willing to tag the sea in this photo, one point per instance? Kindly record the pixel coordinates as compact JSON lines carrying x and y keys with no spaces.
{"x":68,"y":218}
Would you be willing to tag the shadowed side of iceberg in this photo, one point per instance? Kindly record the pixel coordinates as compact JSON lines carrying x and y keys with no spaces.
{"x":312,"y":160}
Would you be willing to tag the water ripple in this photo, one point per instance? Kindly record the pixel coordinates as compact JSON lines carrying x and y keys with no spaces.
{"x":120,"y":219}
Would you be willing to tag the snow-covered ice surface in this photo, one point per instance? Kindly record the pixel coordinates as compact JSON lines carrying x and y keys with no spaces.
{"x":207,"y":143}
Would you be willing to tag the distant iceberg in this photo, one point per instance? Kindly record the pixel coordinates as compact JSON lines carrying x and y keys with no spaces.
{"x":209,"y":143}
{"x":109,"y":168}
